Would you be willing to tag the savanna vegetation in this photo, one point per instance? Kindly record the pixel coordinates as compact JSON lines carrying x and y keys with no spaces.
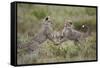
{"x":29,"y":19}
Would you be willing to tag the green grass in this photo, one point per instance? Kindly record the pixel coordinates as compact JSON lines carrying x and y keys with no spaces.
{"x":29,"y":22}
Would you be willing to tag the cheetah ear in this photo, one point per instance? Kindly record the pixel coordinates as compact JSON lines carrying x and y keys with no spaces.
{"x":83,"y":26}
{"x":71,"y":23}
{"x":46,"y":18}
